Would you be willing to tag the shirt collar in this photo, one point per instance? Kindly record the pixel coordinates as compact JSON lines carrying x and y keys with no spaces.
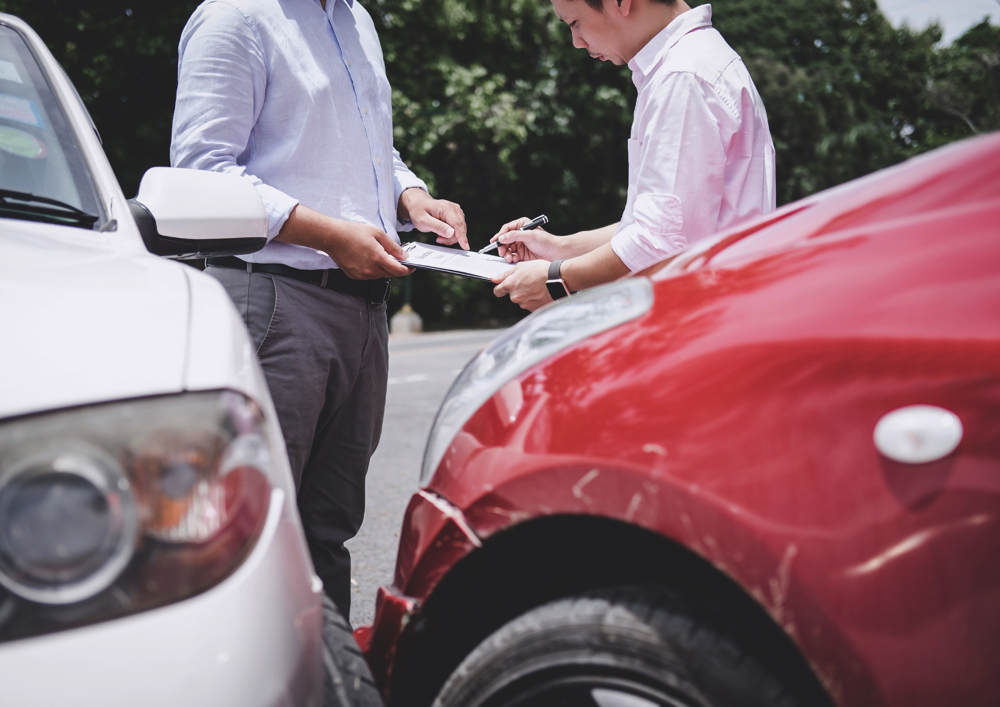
{"x":647,"y":59}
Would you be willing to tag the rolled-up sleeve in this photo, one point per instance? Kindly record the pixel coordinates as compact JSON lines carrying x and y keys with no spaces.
{"x":678,"y":163}
{"x":221,"y":82}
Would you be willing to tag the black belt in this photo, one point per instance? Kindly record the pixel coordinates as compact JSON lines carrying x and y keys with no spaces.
{"x":375,"y":291}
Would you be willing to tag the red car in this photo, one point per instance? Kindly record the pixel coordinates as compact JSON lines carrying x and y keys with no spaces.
{"x":767,"y":472}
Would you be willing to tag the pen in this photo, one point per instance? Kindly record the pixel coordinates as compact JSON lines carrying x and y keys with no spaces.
{"x":533,"y":223}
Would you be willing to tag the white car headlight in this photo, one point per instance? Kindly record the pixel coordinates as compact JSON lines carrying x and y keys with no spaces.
{"x":68,"y":524}
{"x":111,"y":509}
{"x":537,"y":337}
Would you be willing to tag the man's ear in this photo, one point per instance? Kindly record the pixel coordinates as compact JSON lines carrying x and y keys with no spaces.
{"x":624,"y":7}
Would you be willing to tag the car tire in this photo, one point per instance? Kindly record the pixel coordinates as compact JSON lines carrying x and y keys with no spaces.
{"x":635,"y":646}
{"x":347,"y":681}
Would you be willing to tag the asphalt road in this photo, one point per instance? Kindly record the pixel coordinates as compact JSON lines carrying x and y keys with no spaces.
{"x":421,"y":369}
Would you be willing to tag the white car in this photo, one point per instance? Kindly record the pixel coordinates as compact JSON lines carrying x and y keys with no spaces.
{"x":151,"y":552}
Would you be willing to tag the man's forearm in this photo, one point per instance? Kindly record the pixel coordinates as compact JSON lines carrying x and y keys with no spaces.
{"x":312,"y":229}
{"x":594,"y":268}
{"x":526,"y":283}
{"x":585,"y":242}
{"x":362,"y":251}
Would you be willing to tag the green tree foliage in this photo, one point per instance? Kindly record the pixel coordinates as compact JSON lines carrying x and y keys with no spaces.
{"x":841,"y":86}
{"x":847,"y":94}
{"x":497,"y":111}
{"x":964,"y":86}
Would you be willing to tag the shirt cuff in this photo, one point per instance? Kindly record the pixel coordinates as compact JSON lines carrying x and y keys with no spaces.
{"x":401,"y":182}
{"x":638,"y":248}
{"x":278,"y":206}
{"x":654,"y":232}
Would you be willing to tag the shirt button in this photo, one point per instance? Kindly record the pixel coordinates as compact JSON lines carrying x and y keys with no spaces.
{"x":348,"y":62}
{"x":378,"y":160}
{"x":365,"y":110}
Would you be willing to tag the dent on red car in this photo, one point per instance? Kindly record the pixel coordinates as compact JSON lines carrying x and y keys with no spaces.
{"x":736,"y":417}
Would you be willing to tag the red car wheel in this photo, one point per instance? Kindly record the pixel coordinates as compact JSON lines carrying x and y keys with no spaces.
{"x":638,"y":646}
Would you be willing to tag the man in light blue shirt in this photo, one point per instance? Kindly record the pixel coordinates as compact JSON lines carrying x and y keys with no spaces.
{"x":293,"y":95}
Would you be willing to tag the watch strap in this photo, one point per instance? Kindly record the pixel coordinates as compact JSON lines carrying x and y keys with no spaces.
{"x":555,"y":284}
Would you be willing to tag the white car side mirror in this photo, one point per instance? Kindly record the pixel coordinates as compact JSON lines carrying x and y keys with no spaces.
{"x":188,"y":213}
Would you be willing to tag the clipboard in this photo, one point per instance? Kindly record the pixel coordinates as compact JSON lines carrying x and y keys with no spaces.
{"x":454,"y":261}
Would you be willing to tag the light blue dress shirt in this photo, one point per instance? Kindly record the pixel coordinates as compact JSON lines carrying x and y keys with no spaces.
{"x":296,"y":99}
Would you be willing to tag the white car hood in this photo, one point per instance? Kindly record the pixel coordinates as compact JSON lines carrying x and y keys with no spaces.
{"x":86,"y":317}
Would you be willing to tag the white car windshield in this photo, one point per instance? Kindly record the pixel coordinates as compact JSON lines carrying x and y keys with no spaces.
{"x":43,"y":176}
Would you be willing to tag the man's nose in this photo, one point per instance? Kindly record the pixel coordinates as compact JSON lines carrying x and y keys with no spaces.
{"x":578,"y":41}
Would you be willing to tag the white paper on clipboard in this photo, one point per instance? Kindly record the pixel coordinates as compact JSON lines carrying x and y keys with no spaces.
{"x":454,"y":261}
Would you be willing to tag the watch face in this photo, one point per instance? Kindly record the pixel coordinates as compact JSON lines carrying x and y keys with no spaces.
{"x":557,"y":288}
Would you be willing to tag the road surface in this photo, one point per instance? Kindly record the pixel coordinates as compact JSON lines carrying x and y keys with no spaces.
{"x":421,"y":370}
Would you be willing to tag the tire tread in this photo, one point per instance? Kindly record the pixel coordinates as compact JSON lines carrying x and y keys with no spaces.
{"x":347,"y":680}
{"x":666,"y":634}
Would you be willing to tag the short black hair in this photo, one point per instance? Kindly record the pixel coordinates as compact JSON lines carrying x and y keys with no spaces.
{"x":599,"y":4}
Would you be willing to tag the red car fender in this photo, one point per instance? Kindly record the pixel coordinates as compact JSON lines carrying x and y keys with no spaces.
{"x":736,"y":418}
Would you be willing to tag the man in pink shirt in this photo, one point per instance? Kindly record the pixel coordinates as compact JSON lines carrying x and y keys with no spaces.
{"x":700,"y":157}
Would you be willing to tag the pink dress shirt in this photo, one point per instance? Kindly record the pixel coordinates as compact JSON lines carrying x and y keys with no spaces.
{"x":700,"y":158}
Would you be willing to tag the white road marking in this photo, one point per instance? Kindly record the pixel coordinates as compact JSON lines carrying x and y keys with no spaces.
{"x":396,"y":353}
{"x":416,"y":378}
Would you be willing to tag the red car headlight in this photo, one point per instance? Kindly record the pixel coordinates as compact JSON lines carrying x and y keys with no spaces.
{"x":546,"y":332}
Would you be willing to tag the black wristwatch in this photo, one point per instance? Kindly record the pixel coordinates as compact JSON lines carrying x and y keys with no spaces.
{"x":555,"y":283}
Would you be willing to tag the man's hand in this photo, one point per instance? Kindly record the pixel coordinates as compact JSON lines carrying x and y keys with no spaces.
{"x":525,"y":284}
{"x":431,"y":215}
{"x":363,"y":252}
{"x":517,"y":245}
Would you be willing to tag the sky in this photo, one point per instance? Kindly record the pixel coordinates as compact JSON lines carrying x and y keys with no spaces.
{"x":955,"y":16}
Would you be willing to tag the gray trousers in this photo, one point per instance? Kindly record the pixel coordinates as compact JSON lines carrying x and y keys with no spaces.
{"x":325,"y":355}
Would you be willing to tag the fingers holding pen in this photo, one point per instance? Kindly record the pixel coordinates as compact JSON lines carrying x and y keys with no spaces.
{"x":536,"y":244}
{"x":514,"y":225}
{"x":517,"y":246}
{"x":523,"y":239}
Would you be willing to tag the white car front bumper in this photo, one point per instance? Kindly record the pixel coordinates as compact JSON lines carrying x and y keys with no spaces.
{"x":253,"y":640}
